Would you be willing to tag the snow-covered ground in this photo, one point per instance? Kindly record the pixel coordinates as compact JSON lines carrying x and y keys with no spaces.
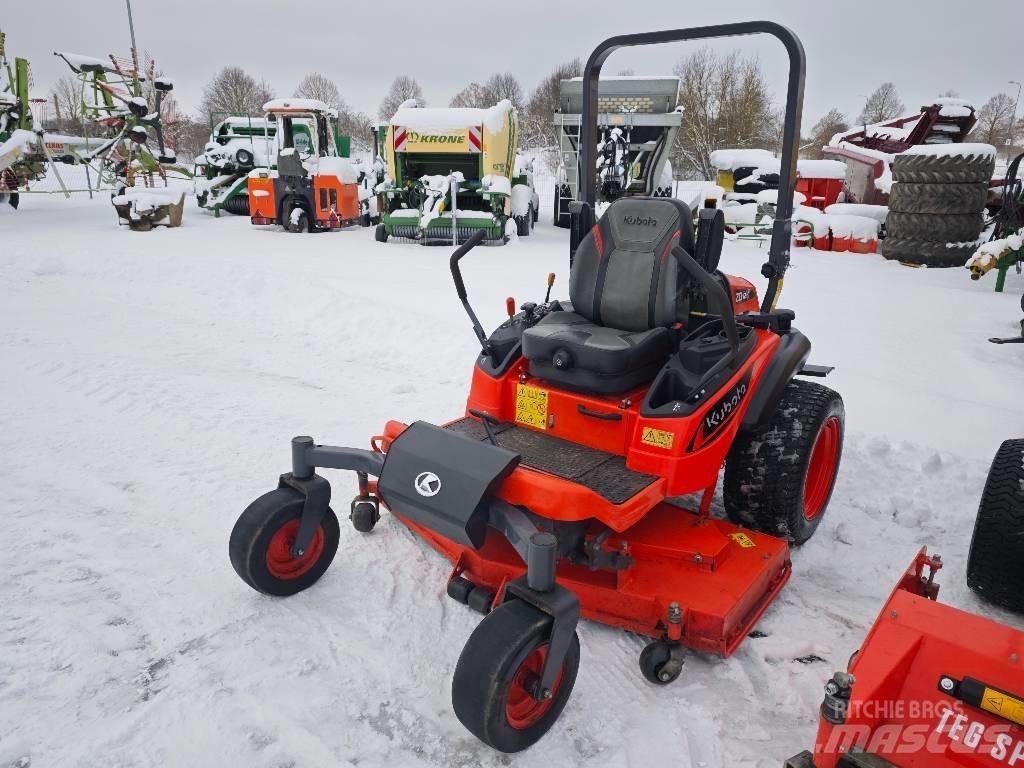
{"x":151,"y":382}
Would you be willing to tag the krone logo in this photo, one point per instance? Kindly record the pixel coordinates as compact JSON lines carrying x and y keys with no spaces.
{"x":427,"y":484}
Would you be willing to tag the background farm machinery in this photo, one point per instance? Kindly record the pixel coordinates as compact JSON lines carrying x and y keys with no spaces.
{"x":637,"y":124}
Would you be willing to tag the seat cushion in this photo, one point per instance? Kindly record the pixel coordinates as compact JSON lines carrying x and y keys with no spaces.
{"x":567,"y":349}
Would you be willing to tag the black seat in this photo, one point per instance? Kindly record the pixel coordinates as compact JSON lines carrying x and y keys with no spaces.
{"x":623,"y":287}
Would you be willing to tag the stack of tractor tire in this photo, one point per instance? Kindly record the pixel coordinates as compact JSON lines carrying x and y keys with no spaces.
{"x":936,"y":208}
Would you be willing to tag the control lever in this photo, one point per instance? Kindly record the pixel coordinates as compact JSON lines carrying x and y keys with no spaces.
{"x":551,"y":282}
{"x":460,"y":287}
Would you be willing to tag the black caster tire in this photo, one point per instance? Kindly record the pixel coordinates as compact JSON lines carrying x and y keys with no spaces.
{"x":261,"y":540}
{"x":364,"y":515}
{"x":459,"y":589}
{"x":661,"y":663}
{"x":490,"y":688}
{"x":380,"y":234}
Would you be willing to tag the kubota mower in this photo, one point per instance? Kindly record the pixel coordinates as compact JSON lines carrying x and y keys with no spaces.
{"x":312,"y":189}
{"x":556,"y":493}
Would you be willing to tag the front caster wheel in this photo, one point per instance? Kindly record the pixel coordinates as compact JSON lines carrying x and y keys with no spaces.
{"x":494,"y":682}
{"x":661,"y":662}
{"x":365,"y":514}
{"x":261,"y":543}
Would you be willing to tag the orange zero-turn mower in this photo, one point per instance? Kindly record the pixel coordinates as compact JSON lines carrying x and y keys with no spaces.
{"x":312,"y":189}
{"x":555,"y":493}
{"x":933,"y":686}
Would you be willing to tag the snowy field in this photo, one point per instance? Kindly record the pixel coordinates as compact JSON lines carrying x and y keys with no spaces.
{"x":151,"y":383}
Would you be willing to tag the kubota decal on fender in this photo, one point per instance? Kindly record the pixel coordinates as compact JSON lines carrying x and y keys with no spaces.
{"x":720,"y":414}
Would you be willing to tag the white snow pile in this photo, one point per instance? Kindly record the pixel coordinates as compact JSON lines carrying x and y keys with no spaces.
{"x":821,"y":169}
{"x":958,"y":150}
{"x":145,"y":200}
{"x":437,"y":189}
{"x":857,"y":227}
{"x":989,"y":253}
{"x":427,"y":119}
{"x":20,"y":142}
{"x":732,"y":159}
{"x":341,"y":167}
{"x":771,"y":197}
{"x":292,"y":104}
{"x":496,"y":185}
{"x":876,"y":212}
{"x":80,"y":62}
{"x":522,"y":197}
{"x":950,"y":106}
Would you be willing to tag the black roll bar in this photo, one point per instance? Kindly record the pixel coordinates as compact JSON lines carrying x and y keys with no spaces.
{"x":778,"y":253}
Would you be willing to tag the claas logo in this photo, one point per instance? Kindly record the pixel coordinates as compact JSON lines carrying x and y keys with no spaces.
{"x":437,"y":138}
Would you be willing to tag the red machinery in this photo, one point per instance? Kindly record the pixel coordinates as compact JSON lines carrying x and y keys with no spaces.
{"x":556,"y":494}
{"x":931,"y":686}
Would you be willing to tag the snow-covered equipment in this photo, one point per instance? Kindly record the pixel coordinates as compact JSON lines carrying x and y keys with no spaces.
{"x":868,"y":151}
{"x":143,"y":208}
{"x":638,"y":118}
{"x":937,"y":203}
{"x":313,"y":186}
{"x":932,"y":685}
{"x":23,"y":156}
{"x":123,"y":101}
{"x":237,"y":145}
{"x":550,"y":493}
{"x":1005,"y":248}
{"x":474,"y":147}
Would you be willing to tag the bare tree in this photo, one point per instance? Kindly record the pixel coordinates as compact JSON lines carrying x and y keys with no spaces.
{"x":233,"y":91}
{"x":502,"y":85}
{"x":470,"y":96}
{"x":995,"y":121}
{"x":536,"y":125}
{"x":726,"y":104}
{"x":322,"y":88}
{"x":67,"y":104}
{"x":883,"y":104}
{"x":828,"y":126}
{"x":402,"y":89}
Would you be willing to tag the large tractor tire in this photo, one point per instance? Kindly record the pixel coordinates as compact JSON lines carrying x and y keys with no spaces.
{"x":995,"y":565}
{"x":935,"y":227}
{"x":779,"y":481}
{"x":937,"y":198}
{"x":943,"y":169}
{"x":926,"y":253}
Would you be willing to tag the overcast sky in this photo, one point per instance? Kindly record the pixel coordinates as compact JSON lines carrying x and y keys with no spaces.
{"x":924,"y":47}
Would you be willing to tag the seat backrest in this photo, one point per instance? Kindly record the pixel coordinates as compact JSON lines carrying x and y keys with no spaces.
{"x":624,"y":275}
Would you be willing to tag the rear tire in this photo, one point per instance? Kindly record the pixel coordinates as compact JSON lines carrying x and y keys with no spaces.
{"x":779,"y":481}
{"x":380,"y":234}
{"x":262,"y":537}
{"x":995,"y":565}
{"x":943,"y":169}
{"x":490,"y":688}
{"x":935,"y":227}
{"x":523,"y":226}
{"x":937,"y":198}
{"x":924,"y":253}
{"x":297,"y":222}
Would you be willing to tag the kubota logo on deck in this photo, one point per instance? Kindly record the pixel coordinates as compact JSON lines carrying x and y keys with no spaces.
{"x":641,"y":221}
{"x":427,"y":484}
{"x":436,"y":138}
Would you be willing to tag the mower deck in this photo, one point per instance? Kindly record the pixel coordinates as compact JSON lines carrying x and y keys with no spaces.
{"x":722,"y":576}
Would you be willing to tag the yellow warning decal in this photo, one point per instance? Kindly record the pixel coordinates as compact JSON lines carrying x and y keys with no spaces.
{"x":1004,"y":705}
{"x":743,"y":540}
{"x":657,"y":437}
{"x":532,"y":406}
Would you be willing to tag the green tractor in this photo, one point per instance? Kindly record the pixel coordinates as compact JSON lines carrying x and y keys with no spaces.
{"x":452,"y":172}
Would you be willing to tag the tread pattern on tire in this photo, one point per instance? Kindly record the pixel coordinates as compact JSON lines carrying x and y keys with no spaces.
{"x":943,"y":169}
{"x":764,"y":474}
{"x":907,"y":197}
{"x":924,"y":253}
{"x":935,"y":227}
{"x":995,"y":565}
